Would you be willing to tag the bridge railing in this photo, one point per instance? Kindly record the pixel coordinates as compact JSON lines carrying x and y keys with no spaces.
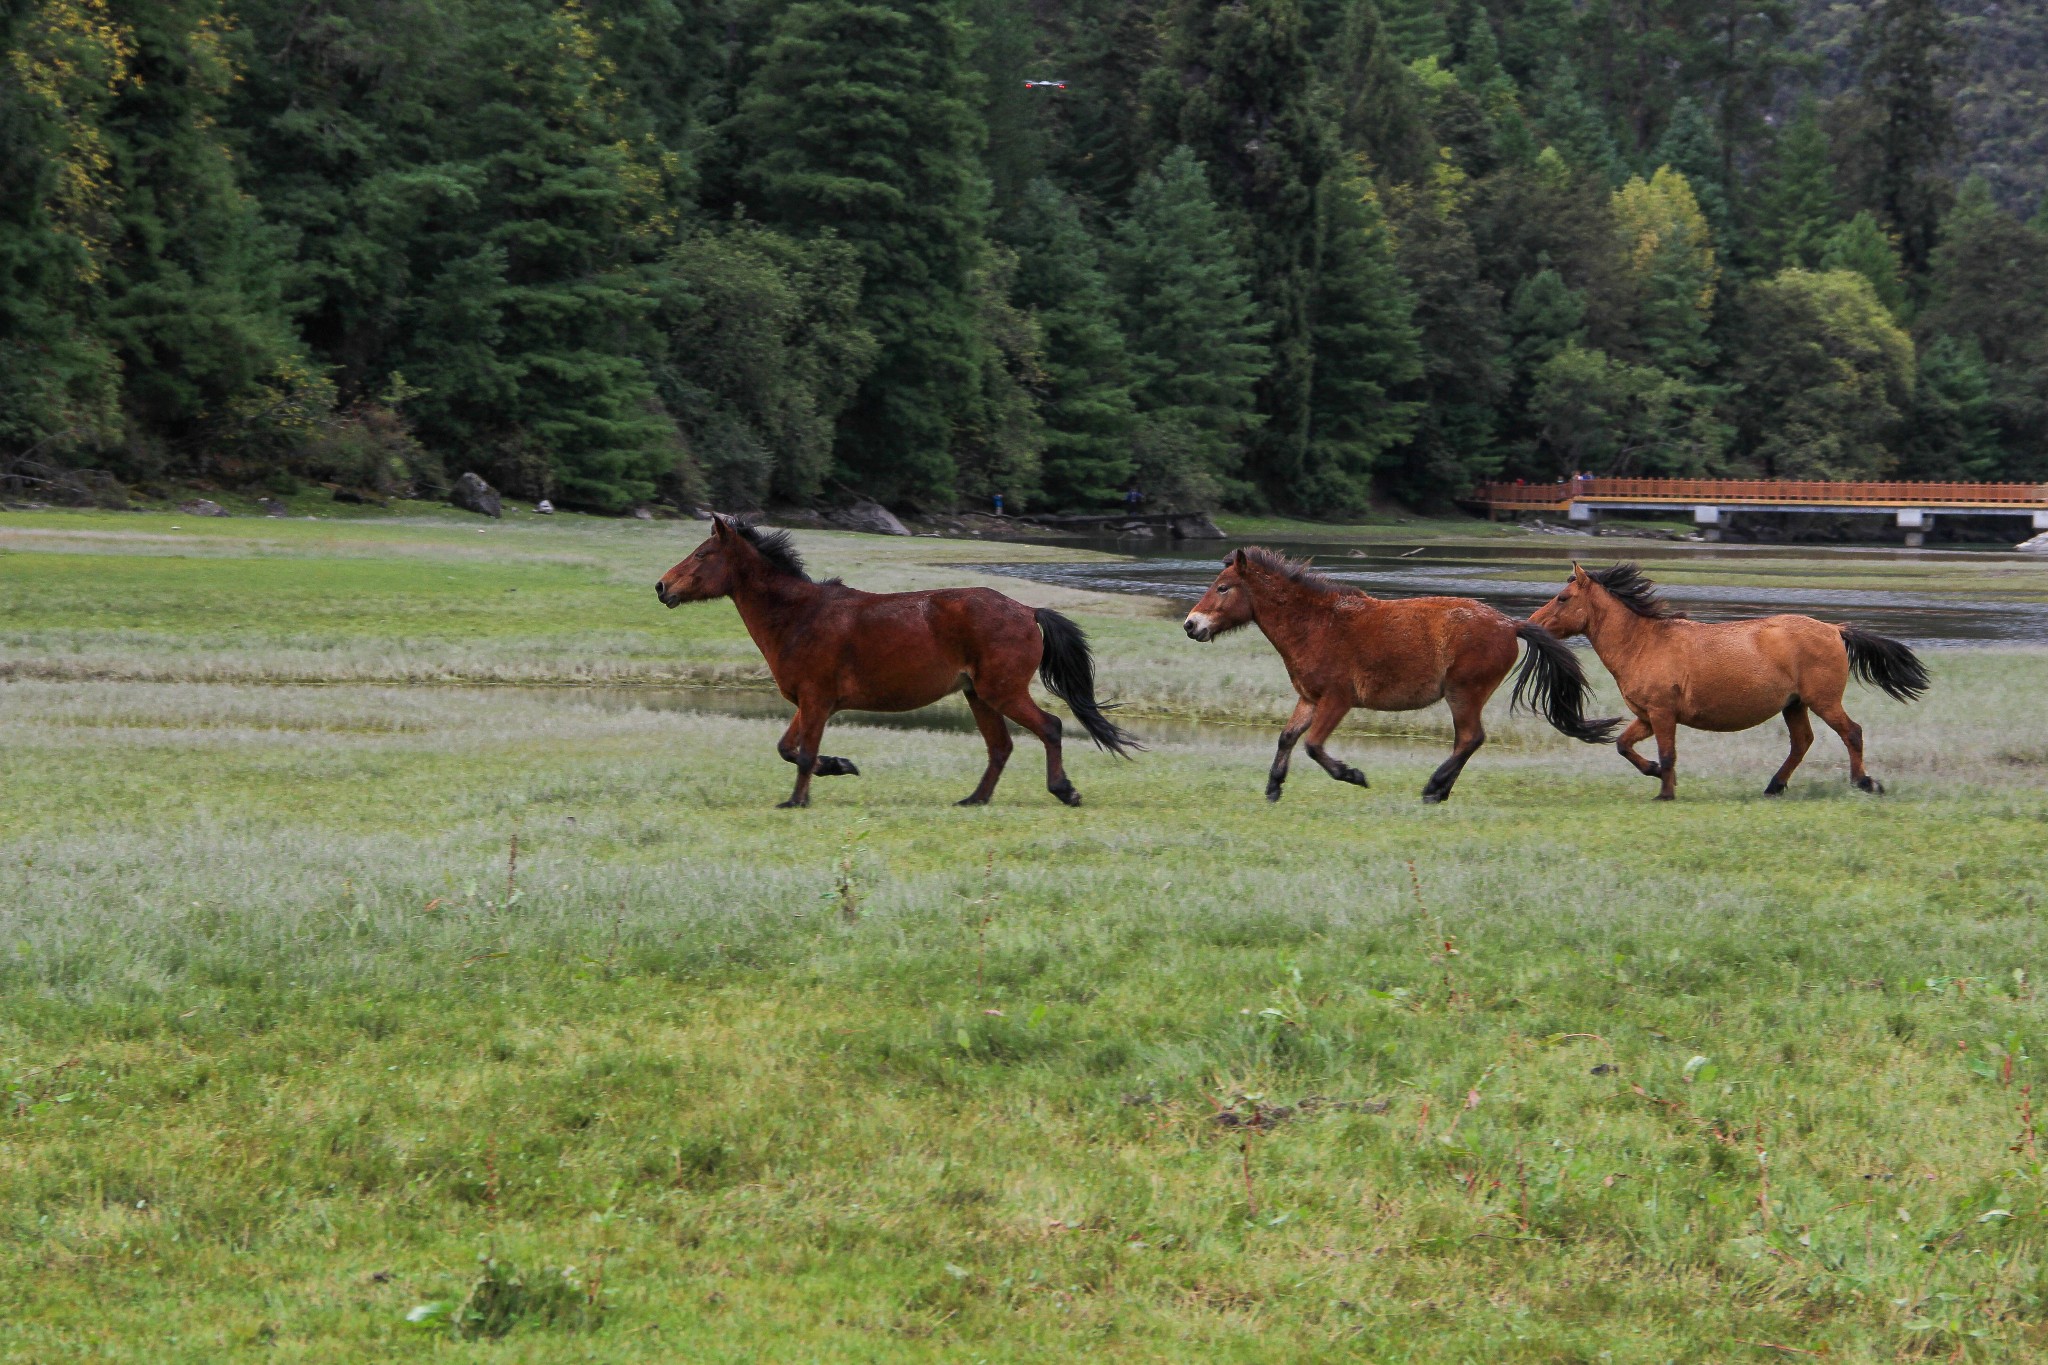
{"x":1711,"y":491}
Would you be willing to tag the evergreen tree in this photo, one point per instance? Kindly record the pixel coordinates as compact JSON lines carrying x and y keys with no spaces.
{"x":1691,"y":147}
{"x":1464,"y":366}
{"x":1571,"y":125}
{"x":1191,"y":327}
{"x":1825,"y":376}
{"x":1953,"y":433}
{"x":1238,"y":87}
{"x":1366,"y":347}
{"x":1797,"y":206}
{"x":1379,"y":110}
{"x":1989,"y":286}
{"x":1907,"y":53}
{"x":1417,"y":30}
{"x":861,"y":117}
{"x":1086,"y":404}
{"x":1862,"y":246}
{"x":192,"y":304}
{"x":1670,"y":258}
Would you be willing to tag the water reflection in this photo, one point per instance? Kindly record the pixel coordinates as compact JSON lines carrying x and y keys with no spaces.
{"x":1179,"y":573}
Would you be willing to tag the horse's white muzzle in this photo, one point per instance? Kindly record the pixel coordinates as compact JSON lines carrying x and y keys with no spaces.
{"x":1198,"y":626}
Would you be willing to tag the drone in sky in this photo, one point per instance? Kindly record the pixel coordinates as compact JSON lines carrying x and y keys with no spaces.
{"x":1045,"y":85}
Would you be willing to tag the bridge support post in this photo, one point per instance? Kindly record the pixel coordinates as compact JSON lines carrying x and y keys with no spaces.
{"x":2041,"y":521}
{"x":1915,"y":521}
{"x":1708,"y":519}
{"x":1585,"y":514}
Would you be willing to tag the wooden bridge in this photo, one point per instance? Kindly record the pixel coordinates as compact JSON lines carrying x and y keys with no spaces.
{"x":1913,"y":505}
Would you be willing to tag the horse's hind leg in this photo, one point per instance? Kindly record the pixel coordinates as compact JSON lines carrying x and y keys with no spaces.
{"x":826,"y":765}
{"x":1800,"y":730}
{"x":996,"y":735}
{"x":1852,"y":739}
{"x":809,"y":729}
{"x":1470,"y":734}
{"x":1289,"y":733}
{"x":1046,"y":726}
{"x":1329,"y":711}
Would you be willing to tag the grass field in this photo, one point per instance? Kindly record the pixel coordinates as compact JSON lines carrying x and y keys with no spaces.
{"x":357,"y":1006}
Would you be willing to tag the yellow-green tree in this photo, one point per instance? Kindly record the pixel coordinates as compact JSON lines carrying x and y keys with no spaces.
{"x":1669,"y":259}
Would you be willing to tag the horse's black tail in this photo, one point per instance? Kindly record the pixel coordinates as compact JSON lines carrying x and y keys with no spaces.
{"x":1885,"y":664}
{"x":1068,"y":672}
{"x":1555,"y":686}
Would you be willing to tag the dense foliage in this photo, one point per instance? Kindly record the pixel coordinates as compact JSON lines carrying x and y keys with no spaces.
{"x":1269,"y":253}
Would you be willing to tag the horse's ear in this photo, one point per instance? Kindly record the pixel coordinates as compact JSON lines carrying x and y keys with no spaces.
{"x":1579,"y":574}
{"x":1237,"y":559}
{"x":721,"y":525}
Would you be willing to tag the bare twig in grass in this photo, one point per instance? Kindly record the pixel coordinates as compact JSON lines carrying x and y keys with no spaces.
{"x":986,"y":903}
{"x":1251,"y":1199}
{"x":1763,"y":1178}
{"x":2026,"y":1141}
{"x":512,"y":868}
{"x":1422,"y":1121}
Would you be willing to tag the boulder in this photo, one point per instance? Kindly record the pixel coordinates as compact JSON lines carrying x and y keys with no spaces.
{"x":472,"y":494}
{"x":1195,"y":526}
{"x":2038,"y":545}
{"x":202,"y":507}
{"x":642,"y":514}
{"x":544,"y":507}
{"x":869,"y":517}
{"x":273,"y":508}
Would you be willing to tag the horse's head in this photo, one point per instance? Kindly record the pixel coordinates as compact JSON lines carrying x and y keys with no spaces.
{"x":1226,"y":606}
{"x":1571,"y":611}
{"x":707,"y":573}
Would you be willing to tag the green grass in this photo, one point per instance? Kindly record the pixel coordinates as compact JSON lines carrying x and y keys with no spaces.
{"x":1177,"y":1075}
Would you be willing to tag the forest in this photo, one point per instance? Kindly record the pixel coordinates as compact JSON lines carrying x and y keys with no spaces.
{"x":1287,"y":255}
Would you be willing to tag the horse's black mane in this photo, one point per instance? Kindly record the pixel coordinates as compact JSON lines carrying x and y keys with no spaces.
{"x":1297,"y":571}
{"x":775,"y":547}
{"x":1625,"y":580}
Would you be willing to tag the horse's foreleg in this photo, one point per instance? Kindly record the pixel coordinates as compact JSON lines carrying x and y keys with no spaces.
{"x":1800,"y":730}
{"x":809,"y":730}
{"x":1289,"y":733}
{"x":996,"y":735}
{"x":1665,"y":726}
{"x":1638,"y":731}
{"x":826,"y":765}
{"x":1470,"y":734}
{"x":1046,"y":726}
{"x":1329,"y":711}
{"x":1852,"y":740}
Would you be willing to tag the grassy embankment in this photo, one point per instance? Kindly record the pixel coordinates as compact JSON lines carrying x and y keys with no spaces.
{"x":291,"y":1041}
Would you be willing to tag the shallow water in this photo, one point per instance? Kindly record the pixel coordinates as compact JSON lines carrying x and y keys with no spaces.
{"x":1179,"y":573}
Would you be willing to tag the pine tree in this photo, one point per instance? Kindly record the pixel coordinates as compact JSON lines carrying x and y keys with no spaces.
{"x":1670,"y":257}
{"x":1797,"y":206}
{"x":1862,"y":246}
{"x":860,"y":117}
{"x":1572,"y":125}
{"x":192,"y":289}
{"x":1907,"y":53}
{"x":1366,"y":346}
{"x":1417,"y":29}
{"x":1238,"y":88}
{"x":1086,"y":404}
{"x":1379,"y":110}
{"x":1691,"y":147}
{"x":1953,"y":431}
{"x":1195,"y":341}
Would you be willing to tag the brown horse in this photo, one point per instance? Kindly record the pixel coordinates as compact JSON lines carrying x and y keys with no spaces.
{"x":1729,"y":675}
{"x":1343,"y":649}
{"x":834,"y":648}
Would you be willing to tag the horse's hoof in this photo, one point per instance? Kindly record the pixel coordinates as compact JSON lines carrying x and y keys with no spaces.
{"x":1665,"y":796}
{"x":1775,"y":788}
{"x":846,"y":768}
{"x":1272,"y":793}
{"x":1068,"y":796}
{"x":1435,"y":798}
{"x":1354,"y":777}
{"x":1871,"y":785}
{"x":973,"y":801}
{"x":792,"y":804}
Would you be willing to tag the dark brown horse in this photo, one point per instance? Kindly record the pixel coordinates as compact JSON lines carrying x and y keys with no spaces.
{"x":1728,"y":675}
{"x":1343,"y":649}
{"x":834,"y":648}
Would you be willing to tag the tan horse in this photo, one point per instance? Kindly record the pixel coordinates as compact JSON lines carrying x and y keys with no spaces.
{"x":1730,"y":675}
{"x":1344,"y":648}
